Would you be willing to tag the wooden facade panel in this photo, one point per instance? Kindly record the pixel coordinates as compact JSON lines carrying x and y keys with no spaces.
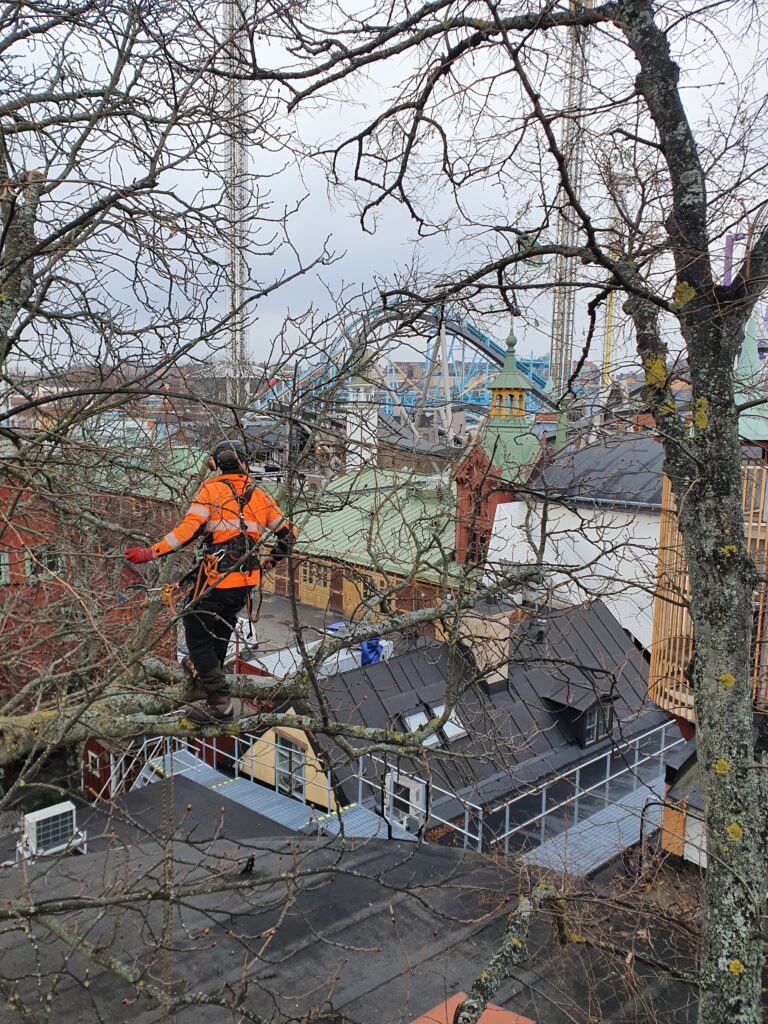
{"x":672,"y":644}
{"x":259,"y":762}
{"x":673,"y":829}
{"x":315,"y":583}
{"x":344,"y":588}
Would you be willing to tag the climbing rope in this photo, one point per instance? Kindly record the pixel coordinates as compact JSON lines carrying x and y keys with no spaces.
{"x":168,"y":811}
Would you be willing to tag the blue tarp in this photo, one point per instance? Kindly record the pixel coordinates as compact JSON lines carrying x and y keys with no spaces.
{"x":371,"y":651}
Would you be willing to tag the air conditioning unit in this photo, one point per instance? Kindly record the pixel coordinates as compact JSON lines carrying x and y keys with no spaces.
{"x":50,"y":830}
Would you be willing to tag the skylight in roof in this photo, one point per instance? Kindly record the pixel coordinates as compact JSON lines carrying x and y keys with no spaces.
{"x":416,"y":721}
{"x":453,"y":727}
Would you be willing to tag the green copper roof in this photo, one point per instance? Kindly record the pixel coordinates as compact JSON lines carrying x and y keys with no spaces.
{"x":396,"y":521}
{"x":750,"y":385}
{"x":511,"y":446}
{"x":510,"y":376}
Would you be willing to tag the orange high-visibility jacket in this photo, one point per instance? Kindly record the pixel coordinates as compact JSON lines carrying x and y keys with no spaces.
{"x":215,"y":508}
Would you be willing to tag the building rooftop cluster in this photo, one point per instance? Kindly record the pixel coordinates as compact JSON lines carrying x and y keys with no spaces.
{"x":494,"y":591}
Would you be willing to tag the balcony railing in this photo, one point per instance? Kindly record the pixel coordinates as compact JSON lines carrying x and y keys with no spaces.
{"x":520,"y":822}
{"x":672,"y":645}
{"x":153,"y":758}
{"x":564,"y":798}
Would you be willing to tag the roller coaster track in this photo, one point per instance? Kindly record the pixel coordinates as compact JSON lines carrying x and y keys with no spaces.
{"x":331,"y":367}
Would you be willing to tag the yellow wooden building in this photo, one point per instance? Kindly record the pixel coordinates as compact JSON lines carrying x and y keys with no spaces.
{"x":373,"y":532}
{"x":285,"y":760}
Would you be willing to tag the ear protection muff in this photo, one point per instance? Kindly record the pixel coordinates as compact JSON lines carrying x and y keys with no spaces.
{"x":228,"y":457}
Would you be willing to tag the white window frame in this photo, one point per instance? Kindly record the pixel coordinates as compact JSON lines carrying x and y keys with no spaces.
{"x":453,"y":727}
{"x":416,"y":720}
{"x":593,"y":717}
{"x":5,"y":568}
{"x":417,"y":802}
{"x":36,"y":565}
{"x":93,"y":762}
{"x":290,"y":779}
{"x":315,"y":574}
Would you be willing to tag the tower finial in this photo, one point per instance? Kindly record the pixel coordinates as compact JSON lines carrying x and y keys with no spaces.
{"x":511,"y":340}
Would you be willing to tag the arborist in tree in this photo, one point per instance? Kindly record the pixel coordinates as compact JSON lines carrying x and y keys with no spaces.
{"x":231,"y":514}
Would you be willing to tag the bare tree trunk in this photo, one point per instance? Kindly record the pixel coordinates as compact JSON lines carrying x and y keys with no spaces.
{"x":722,"y":577}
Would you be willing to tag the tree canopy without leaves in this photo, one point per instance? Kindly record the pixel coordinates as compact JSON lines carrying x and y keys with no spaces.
{"x":112,"y":255}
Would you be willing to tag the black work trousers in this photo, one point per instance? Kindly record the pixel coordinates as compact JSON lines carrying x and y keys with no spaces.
{"x":208,"y":627}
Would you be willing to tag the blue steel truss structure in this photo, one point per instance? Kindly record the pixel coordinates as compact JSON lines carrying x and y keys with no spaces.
{"x":473,"y":358}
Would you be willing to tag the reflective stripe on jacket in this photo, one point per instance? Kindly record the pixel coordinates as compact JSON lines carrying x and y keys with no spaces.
{"x":214,"y":513}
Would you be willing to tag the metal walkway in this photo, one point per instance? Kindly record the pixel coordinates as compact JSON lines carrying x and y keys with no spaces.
{"x":358,"y":822}
{"x":596,"y":840}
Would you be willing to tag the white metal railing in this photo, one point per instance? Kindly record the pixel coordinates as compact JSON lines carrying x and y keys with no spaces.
{"x":245,"y":744}
{"x":632,"y":763}
{"x":424,"y":812}
{"x":128,"y":771}
{"x":122,"y":766}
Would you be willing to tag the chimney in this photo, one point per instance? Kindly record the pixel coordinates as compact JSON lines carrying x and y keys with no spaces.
{"x":487,"y":637}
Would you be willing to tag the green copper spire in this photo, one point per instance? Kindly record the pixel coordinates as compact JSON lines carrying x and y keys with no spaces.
{"x":508,"y":438}
{"x":510,"y":377}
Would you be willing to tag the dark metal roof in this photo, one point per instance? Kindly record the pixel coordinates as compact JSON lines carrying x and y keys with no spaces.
{"x":378,"y":931}
{"x":625,"y":469}
{"x":397,"y":434}
{"x":199,"y":815}
{"x":517,"y":735}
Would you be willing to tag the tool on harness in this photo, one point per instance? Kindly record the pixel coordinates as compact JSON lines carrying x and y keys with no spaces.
{"x":205,"y":573}
{"x":168,"y":597}
{"x":249,"y":612}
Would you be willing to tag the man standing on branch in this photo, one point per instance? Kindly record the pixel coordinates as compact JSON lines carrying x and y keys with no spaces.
{"x":230,"y":514}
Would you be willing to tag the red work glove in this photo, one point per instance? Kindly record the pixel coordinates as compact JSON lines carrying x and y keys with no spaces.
{"x":138,"y":555}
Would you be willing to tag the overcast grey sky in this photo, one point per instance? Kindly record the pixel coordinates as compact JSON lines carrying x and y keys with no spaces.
{"x":711,"y":75}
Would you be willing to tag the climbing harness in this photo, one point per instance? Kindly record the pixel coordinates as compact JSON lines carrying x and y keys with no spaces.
{"x":239,"y":553}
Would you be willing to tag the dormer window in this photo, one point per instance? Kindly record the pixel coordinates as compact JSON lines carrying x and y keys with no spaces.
{"x":596,"y":724}
{"x":453,"y":727}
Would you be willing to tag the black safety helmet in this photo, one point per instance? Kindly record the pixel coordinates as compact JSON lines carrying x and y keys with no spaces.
{"x":229,"y":457}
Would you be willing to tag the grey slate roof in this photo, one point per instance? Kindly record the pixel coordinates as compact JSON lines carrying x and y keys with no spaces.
{"x":622,"y":469}
{"x":516,"y":736}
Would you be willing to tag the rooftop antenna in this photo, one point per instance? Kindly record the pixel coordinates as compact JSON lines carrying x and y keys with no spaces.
{"x":236,"y":198}
{"x":572,"y":148}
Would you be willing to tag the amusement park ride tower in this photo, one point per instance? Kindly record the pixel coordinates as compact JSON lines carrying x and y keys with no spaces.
{"x":572,"y":148}
{"x":236,"y":199}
